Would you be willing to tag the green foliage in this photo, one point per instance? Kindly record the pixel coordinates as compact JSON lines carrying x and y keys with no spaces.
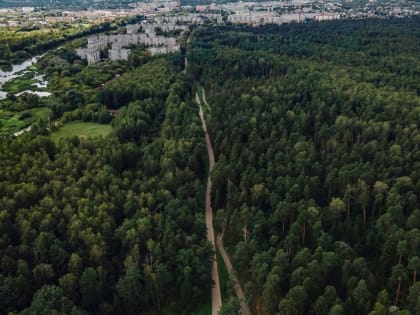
{"x":315,"y":134}
{"x":11,"y":122}
{"x":22,"y":83}
{"x":90,"y":289}
{"x":116,"y":224}
{"x":150,"y":81}
{"x":80,"y":129}
{"x":49,"y":300}
{"x":19,"y":44}
{"x":130,"y":288}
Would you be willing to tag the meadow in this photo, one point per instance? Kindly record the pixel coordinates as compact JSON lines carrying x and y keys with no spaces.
{"x":81,"y":130}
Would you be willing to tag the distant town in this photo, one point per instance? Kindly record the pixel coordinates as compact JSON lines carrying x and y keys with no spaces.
{"x":166,"y":21}
{"x":274,"y":12}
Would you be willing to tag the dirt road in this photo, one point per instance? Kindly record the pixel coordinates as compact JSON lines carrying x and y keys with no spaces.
{"x":238,"y":289}
{"x":204,"y":98}
{"x":209,"y":222}
{"x":216,"y":297}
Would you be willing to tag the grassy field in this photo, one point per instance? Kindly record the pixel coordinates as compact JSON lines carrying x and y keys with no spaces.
{"x":11,"y":122}
{"x":81,"y":130}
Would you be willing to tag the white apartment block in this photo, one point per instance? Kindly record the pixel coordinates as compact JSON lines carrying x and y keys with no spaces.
{"x":163,"y":50}
{"x":327,"y":16}
{"x":97,"y":42}
{"x":118,"y":54}
{"x":252,"y":18}
{"x":157,"y":50}
{"x":194,"y":18}
{"x":132,"y":29}
{"x":93,"y":57}
{"x":82,"y":52}
{"x":174,"y":48}
{"x":116,"y":44}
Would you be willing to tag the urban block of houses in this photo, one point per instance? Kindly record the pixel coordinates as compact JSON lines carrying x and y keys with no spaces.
{"x":117,"y":44}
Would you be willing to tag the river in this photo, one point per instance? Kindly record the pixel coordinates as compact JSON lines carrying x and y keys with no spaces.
{"x":17,"y":71}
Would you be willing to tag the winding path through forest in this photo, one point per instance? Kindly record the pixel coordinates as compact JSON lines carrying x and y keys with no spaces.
{"x":238,"y":289}
{"x":216,"y":297}
{"x":215,"y":293}
{"x":204,"y":98}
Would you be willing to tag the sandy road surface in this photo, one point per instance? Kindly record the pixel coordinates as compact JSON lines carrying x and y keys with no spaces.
{"x":238,"y":289}
{"x":216,"y":297}
{"x":209,"y":222}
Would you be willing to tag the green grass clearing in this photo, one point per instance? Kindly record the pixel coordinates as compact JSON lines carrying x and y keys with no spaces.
{"x":81,"y":130}
{"x":39,"y":113}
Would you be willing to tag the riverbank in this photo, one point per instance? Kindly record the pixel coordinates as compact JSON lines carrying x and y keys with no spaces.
{"x":21,"y":80}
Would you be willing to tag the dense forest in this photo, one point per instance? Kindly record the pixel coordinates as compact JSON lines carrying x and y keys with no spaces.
{"x":315,"y":130}
{"x":316,"y":182}
{"x":109,"y":225}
